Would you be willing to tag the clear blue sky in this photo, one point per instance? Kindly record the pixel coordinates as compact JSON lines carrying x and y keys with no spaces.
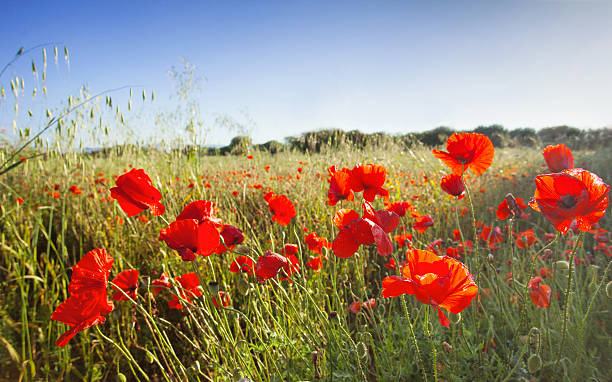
{"x":394,"y":66}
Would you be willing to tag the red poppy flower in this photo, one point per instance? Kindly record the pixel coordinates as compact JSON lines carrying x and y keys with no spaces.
{"x":135,"y":193}
{"x":163,"y":282}
{"x":404,"y":239}
{"x":242,"y":264}
{"x":503,"y":209}
{"x":81,"y":312}
{"x":558,"y":158}
{"x":391,"y":264}
{"x":202,"y":211}
{"x":370,"y":178}
{"x":126,"y":281}
{"x":400,"y":208}
{"x":88,"y":301}
{"x":75,"y":190}
{"x":90,"y":274}
{"x":467,"y":150}
{"x":422,"y":223}
{"x":270,"y":264}
{"x":439,"y":281}
{"x":341,"y":184}
{"x":539,"y":293}
{"x":281,"y":207}
{"x":574,"y":194}
{"x":491,"y":236}
{"x":355,"y":307}
{"x":224,"y":298}
{"x":232,"y":236}
{"x":452,"y":184}
{"x":372,"y":228}
{"x":315,"y":243}
{"x":315,"y":263}
{"x":456,"y":235}
{"x":190,"y":238}
{"x":526,"y":239}
{"x":290,"y":249}
{"x":189,"y":289}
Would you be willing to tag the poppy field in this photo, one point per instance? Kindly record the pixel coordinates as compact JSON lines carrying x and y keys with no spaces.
{"x":462,"y":263}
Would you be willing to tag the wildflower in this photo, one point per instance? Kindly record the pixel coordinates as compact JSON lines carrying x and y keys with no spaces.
{"x":390,"y":264}
{"x":571,"y":195}
{"x":242,"y":264}
{"x":467,"y":151}
{"x":315,"y":263}
{"x":126,"y":281}
{"x":400,"y":208}
{"x":452,"y":184}
{"x":526,"y":239}
{"x":290,"y":249}
{"x":539,"y":293}
{"x":270,"y":264}
{"x":224,"y":299}
{"x":232,"y":236}
{"x":370,"y":178}
{"x":135,"y":193}
{"x":281,"y":207}
{"x":422,"y":223}
{"x":372,"y":228}
{"x":190,"y":238}
{"x":439,"y":281}
{"x":161,"y":283}
{"x":558,"y":158}
{"x":341,"y":185}
{"x":202,"y":211}
{"x":504,"y":211}
{"x":189,"y":289}
{"x":316,"y":243}
{"x":75,"y":190}
{"x":88,"y":302}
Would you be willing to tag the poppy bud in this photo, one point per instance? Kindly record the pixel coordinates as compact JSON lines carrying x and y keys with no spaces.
{"x":333,"y":316}
{"x":609,"y":289}
{"x":362,"y":350}
{"x":213,"y":288}
{"x":491,"y":257}
{"x":513,"y":205}
{"x":120,"y":377}
{"x":447,"y":347}
{"x":243,"y":287}
{"x":534,"y":363}
{"x":547,"y":254}
{"x":561,"y":264}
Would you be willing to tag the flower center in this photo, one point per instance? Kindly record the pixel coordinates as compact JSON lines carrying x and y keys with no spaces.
{"x":567,"y":202}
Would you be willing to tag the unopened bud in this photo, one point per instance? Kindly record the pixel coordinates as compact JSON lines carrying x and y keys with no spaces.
{"x":120,"y":377}
{"x":513,"y":205}
{"x":609,"y":289}
{"x":213,"y":288}
{"x":243,"y":287}
{"x":362,"y":350}
{"x":534,"y":363}
{"x":491,"y":257}
{"x":447,"y":347}
{"x":562,"y":264}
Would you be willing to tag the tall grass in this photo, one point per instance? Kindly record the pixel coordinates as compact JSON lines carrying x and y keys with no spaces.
{"x":280,"y":330}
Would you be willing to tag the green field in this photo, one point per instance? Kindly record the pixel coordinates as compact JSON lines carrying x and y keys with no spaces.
{"x":282,"y":330}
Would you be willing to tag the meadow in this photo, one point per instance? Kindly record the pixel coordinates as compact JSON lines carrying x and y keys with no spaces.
{"x":324,"y":318}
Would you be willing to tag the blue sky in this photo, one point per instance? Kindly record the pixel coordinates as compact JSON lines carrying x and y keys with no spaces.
{"x":291,"y":66}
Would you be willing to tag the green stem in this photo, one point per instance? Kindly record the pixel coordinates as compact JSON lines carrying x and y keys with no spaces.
{"x":567,"y":297}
